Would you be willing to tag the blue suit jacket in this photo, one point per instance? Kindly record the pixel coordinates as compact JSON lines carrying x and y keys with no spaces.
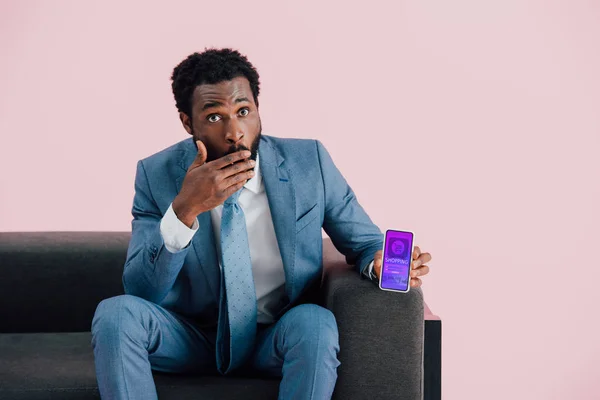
{"x":306,"y":192}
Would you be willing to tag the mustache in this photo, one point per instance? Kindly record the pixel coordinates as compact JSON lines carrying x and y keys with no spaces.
{"x":234,"y":149}
{"x":253,"y":147}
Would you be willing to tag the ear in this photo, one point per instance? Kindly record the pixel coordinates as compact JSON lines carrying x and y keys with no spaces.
{"x":186,"y":121}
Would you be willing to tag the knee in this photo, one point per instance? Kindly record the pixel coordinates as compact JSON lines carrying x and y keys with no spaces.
{"x":313,"y":326}
{"x":115,"y":314}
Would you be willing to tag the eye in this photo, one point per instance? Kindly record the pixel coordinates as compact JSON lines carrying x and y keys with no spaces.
{"x":214,"y":118}
{"x":244,"y":112}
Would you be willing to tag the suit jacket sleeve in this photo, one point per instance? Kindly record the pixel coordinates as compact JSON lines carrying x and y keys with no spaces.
{"x":345,"y":221}
{"x":150,"y":269}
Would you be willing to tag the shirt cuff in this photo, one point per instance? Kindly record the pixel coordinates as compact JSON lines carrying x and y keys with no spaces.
{"x":176,"y":234}
{"x":368,"y":271}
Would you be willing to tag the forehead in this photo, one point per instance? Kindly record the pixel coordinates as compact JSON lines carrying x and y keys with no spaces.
{"x":222,"y":91}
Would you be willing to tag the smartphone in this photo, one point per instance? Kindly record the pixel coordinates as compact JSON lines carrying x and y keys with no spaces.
{"x":397,"y":260}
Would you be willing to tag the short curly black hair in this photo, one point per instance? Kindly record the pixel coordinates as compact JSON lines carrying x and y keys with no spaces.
{"x":211,"y":66}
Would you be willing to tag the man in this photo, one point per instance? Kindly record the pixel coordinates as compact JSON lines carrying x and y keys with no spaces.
{"x":226,"y":240}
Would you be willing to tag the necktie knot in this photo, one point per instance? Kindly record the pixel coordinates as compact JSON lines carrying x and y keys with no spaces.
{"x":233,"y":199}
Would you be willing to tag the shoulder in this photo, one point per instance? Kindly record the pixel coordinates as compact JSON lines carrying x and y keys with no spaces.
{"x":292,"y":148}
{"x":169,"y":158}
{"x":171,"y":152}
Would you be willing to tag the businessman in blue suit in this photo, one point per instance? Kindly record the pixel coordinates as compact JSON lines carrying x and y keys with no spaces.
{"x":226,"y":242}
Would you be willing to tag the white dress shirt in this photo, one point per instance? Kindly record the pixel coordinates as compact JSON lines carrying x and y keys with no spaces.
{"x":267,"y":264}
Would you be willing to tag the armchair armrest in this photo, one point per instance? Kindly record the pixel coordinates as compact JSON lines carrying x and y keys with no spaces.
{"x":381,"y":337}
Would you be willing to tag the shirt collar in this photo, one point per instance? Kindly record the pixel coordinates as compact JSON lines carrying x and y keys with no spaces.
{"x":254,"y":184}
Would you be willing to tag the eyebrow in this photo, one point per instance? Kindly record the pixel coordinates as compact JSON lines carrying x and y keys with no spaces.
{"x":213,"y":104}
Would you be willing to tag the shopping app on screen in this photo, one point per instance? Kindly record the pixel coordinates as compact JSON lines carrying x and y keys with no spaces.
{"x":396,"y":260}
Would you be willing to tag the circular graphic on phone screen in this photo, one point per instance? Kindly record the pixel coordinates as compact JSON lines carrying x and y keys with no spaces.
{"x":398,"y":247}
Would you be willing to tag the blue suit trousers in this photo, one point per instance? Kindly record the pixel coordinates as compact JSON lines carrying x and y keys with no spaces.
{"x":132,"y":336}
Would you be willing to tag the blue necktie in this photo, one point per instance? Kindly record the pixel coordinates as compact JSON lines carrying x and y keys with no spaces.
{"x":237,"y":304}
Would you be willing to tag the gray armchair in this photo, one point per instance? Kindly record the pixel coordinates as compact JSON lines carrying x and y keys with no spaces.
{"x":51,"y":283}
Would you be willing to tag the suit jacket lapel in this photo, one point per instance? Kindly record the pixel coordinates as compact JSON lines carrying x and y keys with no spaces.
{"x":282,"y":202}
{"x":203,"y":241}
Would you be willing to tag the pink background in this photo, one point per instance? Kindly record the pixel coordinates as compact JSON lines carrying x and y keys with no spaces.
{"x":494,"y":107}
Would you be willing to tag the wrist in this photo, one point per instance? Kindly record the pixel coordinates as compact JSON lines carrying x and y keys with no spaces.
{"x":187,"y":215}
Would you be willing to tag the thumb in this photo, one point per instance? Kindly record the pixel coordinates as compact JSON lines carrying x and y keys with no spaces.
{"x":377,"y":263}
{"x":202,"y":153}
{"x":378,"y":257}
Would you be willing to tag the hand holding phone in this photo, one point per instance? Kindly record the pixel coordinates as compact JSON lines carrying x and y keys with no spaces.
{"x":397,"y":260}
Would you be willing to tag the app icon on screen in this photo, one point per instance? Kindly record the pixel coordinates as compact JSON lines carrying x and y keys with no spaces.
{"x":398,"y":247}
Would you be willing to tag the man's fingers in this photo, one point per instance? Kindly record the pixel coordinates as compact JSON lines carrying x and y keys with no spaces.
{"x":415,"y":282}
{"x":425,"y":258}
{"x":201,"y":157}
{"x":243,"y":177}
{"x":422,"y":259}
{"x":416,"y":252}
{"x":424,"y":270}
{"x":233,"y":188}
{"x":231,"y":158}
{"x":236,"y":168}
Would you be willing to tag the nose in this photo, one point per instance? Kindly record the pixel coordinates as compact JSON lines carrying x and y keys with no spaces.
{"x":234,"y":132}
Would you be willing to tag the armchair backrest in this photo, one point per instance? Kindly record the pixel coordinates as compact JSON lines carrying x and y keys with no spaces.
{"x":53,"y":281}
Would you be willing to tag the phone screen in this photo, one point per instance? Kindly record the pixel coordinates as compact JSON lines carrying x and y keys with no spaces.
{"x":395,"y":270}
